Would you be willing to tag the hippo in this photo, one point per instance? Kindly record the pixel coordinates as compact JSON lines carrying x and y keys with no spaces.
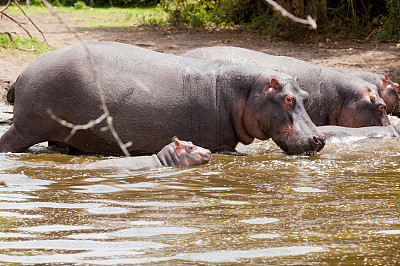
{"x":338,"y":134}
{"x":387,"y":89}
{"x":151,"y":96}
{"x":335,"y":98}
{"x":178,"y":153}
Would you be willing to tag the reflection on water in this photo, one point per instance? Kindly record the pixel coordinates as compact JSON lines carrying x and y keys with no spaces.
{"x":339,"y":206}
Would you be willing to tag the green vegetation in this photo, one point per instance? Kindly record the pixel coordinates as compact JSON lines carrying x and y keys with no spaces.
{"x":100,"y":17}
{"x":344,"y":18}
{"x":25,"y":44}
{"x":213,"y":13}
{"x":363,"y":19}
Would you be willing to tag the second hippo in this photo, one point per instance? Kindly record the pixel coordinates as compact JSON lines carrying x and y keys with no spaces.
{"x":387,"y":89}
{"x":178,"y":153}
{"x":336,"y":98}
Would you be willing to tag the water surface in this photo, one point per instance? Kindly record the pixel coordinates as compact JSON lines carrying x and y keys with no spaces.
{"x":341,"y":206}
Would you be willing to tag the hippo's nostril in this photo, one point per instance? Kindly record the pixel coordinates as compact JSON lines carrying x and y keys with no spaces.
{"x":315,"y":139}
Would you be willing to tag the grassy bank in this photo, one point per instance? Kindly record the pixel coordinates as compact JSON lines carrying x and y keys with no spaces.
{"x":99,"y":17}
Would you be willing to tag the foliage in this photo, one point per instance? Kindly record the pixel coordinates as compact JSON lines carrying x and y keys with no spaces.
{"x":346,"y":18}
{"x":390,"y":23}
{"x":209,"y":12}
{"x":23,"y":43}
{"x":79,"y":5}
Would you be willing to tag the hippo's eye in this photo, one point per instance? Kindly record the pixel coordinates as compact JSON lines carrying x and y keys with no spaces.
{"x":288,"y":102}
{"x":190,"y":148}
{"x":381,"y":109}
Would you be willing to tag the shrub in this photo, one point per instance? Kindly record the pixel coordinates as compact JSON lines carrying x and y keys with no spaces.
{"x":210,"y":12}
{"x":79,"y":5}
{"x":390,"y":23}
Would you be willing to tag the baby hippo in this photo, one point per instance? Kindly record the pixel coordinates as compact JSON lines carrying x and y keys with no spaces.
{"x":178,"y":153}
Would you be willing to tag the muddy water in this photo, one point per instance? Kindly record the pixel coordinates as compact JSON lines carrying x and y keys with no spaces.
{"x":341,"y":206}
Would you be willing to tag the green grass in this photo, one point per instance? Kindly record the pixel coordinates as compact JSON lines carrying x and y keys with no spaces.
{"x":32,"y":45}
{"x":99,"y":17}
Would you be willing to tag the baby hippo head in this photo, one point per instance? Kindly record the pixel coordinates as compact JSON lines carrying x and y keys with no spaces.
{"x":183,"y":153}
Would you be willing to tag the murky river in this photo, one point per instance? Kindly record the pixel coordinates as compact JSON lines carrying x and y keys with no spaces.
{"x":341,"y":206}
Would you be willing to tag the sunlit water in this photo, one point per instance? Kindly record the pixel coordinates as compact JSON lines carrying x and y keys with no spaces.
{"x":341,"y":206}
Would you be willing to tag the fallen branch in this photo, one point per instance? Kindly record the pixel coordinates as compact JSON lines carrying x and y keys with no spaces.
{"x":106,"y":114}
{"x":9,"y":36}
{"x":309,"y":21}
{"x":15,"y":43}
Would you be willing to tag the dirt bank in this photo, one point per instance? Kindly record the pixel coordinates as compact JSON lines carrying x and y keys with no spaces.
{"x":347,"y":54}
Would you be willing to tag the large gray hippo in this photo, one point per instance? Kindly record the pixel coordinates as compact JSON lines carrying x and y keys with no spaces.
{"x":178,"y":153}
{"x":152,"y":96}
{"x":335,"y":98}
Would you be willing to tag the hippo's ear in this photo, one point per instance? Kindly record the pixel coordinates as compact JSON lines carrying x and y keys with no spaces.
{"x":276,"y":84}
{"x":273,"y":85}
{"x":175,"y":140}
{"x":387,"y":77}
{"x":385,"y":81}
{"x":296,"y":78}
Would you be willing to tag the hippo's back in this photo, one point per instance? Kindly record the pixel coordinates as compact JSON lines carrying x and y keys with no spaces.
{"x":144,"y":91}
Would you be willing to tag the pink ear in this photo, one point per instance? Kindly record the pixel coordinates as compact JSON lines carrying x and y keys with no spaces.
{"x":386,"y":80}
{"x":275,"y":84}
{"x":386,"y":77}
{"x":175,"y":140}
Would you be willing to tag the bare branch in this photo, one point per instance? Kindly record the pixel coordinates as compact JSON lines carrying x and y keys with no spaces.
{"x":13,"y":20}
{"x":75,"y":128}
{"x":6,"y":6}
{"x":310,"y":21}
{"x":33,"y":23}
{"x":100,"y":90}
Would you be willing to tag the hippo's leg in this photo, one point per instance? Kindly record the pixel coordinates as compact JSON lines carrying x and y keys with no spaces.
{"x":14,"y":141}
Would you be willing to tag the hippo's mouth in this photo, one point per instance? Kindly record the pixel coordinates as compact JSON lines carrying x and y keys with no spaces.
{"x":305,"y":147}
{"x":304,"y":153}
{"x":308,"y":153}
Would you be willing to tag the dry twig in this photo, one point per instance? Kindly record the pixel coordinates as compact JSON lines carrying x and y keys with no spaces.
{"x":106,"y":115}
{"x":33,"y":23}
{"x":309,"y":21}
{"x":19,"y":24}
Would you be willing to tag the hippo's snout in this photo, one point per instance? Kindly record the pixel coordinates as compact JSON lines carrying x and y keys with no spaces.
{"x":318,"y":142}
{"x":302,"y":146}
{"x":205,"y":156}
